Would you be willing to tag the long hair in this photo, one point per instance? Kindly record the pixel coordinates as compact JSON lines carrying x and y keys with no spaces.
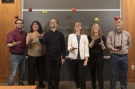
{"x":40,"y":31}
{"x":82,"y":30}
{"x":99,"y":31}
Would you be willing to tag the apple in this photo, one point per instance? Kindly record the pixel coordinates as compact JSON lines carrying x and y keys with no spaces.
{"x":74,"y":9}
{"x":96,"y":19}
{"x":16,"y":16}
{"x":116,"y":17}
{"x":45,"y":11}
{"x":30,"y":9}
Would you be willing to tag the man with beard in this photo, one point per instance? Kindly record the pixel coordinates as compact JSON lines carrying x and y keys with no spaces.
{"x":55,"y":48}
{"x":16,"y":40}
{"x":118,"y":41}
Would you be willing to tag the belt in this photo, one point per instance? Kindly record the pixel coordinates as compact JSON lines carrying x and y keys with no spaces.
{"x":120,"y":55}
{"x":17,"y":53}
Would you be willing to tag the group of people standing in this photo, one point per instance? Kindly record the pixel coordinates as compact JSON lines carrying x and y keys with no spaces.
{"x":48,"y":50}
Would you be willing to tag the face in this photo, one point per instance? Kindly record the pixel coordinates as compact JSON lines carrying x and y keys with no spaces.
{"x":35,"y":27}
{"x":118,"y":24}
{"x":78,"y":26}
{"x":53,"y":23}
{"x":19,"y":24}
{"x":96,"y":28}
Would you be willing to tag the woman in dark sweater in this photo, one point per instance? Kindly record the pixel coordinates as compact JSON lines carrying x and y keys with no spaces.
{"x":97,"y":44}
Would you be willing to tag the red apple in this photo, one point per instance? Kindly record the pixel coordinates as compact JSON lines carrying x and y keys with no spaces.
{"x":30,"y":9}
{"x":74,"y":9}
{"x":116,"y":17}
{"x":16,"y":16}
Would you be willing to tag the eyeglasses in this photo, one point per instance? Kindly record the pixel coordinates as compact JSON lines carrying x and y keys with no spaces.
{"x":19,"y":23}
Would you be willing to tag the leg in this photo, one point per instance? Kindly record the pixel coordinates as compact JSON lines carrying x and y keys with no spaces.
{"x":114,"y":65}
{"x":21,"y":69}
{"x":123,"y":72}
{"x":82,"y":74}
{"x":74,"y":66}
{"x":100,"y":65}
{"x":40,"y":67}
{"x":57,"y":66}
{"x":92,"y":66}
{"x":31,"y":70}
{"x":49,"y":68}
{"x":14,"y":62}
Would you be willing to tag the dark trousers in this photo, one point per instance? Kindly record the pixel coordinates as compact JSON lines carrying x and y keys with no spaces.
{"x":34,"y":62}
{"x":96,"y":68}
{"x":79,"y":72}
{"x":53,"y":65}
{"x":121,"y":63}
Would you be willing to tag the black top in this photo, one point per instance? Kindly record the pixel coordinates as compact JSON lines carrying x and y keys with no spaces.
{"x":78,"y":39}
{"x":96,"y":50}
{"x":55,"y":43}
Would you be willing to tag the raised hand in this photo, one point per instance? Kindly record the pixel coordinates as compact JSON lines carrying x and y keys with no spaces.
{"x":113,"y":49}
{"x":16,"y":43}
{"x":30,"y":40}
{"x":94,"y":38}
{"x":72,"y":48}
{"x":101,"y":43}
{"x":40,"y":35}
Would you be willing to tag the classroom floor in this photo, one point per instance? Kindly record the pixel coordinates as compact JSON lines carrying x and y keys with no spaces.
{"x":71,"y":85}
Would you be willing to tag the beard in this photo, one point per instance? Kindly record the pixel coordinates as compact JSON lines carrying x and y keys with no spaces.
{"x":118,"y":27}
{"x":19,"y":28}
{"x":52,"y":26}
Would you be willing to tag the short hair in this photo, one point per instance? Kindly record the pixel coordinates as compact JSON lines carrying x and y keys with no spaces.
{"x":56,"y":21}
{"x":19,"y":20}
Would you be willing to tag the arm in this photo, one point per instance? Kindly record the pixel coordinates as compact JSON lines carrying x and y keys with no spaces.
{"x":63,"y":47}
{"x":69,"y":43}
{"x":11,"y":45}
{"x":92,"y":41}
{"x":129,"y":41}
{"x":10,"y":41}
{"x":109,"y":43}
{"x":86,"y":48}
{"x":42,"y":40}
{"x":104,"y":43}
{"x":27,"y":39}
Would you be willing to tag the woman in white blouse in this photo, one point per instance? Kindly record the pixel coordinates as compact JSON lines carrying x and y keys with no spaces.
{"x":78,"y":55}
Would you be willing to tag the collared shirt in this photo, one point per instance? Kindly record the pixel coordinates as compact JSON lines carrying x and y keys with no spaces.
{"x":119,"y":39}
{"x":55,"y":43}
{"x":16,"y":36}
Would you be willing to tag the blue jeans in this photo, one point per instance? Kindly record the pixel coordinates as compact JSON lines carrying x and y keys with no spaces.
{"x":121,"y":63}
{"x":16,"y":61}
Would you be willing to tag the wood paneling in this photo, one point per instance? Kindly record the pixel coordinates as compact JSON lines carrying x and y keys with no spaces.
{"x":18,"y":87}
{"x":128,"y":15}
{"x":8,"y":11}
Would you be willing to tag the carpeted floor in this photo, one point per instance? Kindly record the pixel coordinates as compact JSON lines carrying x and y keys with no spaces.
{"x":71,"y":85}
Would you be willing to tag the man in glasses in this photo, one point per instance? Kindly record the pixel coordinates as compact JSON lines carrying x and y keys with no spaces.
{"x":16,"y":40}
{"x":118,"y":41}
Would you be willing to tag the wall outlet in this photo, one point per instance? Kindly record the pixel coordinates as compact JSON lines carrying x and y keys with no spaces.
{"x":133,"y":67}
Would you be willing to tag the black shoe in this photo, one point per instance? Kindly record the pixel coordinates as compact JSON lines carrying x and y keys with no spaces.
{"x":42,"y":86}
{"x":54,"y":87}
{"x":20,"y":84}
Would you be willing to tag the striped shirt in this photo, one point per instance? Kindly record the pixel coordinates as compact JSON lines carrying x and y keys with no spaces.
{"x":119,"y":39}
